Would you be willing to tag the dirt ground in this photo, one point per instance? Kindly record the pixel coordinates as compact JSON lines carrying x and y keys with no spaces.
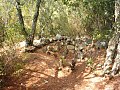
{"x":40,"y":73}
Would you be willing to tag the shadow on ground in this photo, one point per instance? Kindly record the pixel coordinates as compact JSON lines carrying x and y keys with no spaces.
{"x":40,"y":73}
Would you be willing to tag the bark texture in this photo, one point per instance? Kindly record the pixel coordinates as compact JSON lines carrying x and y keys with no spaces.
{"x":21,"y":21}
{"x":116,"y":65}
{"x":112,"y":61}
{"x":29,"y":38}
{"x":34,"y":22}
{"x":111,"y":53}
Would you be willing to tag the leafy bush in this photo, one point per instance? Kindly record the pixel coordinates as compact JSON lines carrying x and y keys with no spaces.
{"x":13,"y":33}
{"x":10,"y":64}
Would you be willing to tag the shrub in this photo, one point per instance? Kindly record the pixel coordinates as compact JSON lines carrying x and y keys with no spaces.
{"x":10,"y":64}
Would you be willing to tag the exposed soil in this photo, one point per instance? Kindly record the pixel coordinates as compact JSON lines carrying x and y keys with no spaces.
{"x":40,"y":73}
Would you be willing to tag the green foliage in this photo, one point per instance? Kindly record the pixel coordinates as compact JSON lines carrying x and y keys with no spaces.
{"x":2,"y":34}
{"x":13,"y":33}
{"x":102,"y":35}
{"x":10,"y":64}
{"x":67,"y":17}
{"x":71,"y":17}
{"x":99,"y":17}
{"x":62,"y":61}
{"x":55,"y":18}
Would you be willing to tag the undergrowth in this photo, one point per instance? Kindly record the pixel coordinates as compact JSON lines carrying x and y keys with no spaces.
{"x":11,"y":64}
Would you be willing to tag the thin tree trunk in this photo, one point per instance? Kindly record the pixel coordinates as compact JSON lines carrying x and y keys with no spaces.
{"x":21,"y":21}
{"x":34,"y":22}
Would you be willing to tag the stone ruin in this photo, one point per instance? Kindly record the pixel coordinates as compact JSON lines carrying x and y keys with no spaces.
{"x":77,"y":46}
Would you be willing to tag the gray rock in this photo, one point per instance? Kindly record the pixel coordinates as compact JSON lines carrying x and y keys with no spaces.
{"x":70,"y":47}
{"x":80,"y":46}
{"x":22,"y":44}
{"x":42,"y":40}
{"x":61,"y":43}
{"x":80,"y":55}
{"x":29,"y":48}
{"x":36,"y":42}
{"x":69,"y":41}
{"x":73,"y":42}
{"x":54,"y":39}
{"x":101,"y":44}
{"x":51,"y":40}
{"x":52,"y":48}
{"x":77,"y":38}
{"x":47,"y":41}
{"x":58,"y":36}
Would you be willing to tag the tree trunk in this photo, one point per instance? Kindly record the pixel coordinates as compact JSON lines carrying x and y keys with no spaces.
{"x":34,"y":22}
{"x":111,"y":53}
{"x":112,"y":61}
{"x":29,"y":38}
{"x":21,"y":21}
{"x":116,"y":65}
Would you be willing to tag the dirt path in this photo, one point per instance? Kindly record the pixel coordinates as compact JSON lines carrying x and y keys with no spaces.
{"x":40,"y":73}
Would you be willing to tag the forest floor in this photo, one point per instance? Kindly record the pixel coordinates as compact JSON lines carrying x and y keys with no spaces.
{"x":40,"y":73}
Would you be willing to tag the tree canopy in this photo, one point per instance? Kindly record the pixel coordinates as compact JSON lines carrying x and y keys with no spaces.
{"x":69,"y":17}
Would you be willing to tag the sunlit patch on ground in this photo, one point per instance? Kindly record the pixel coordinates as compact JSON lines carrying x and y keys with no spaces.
{"x":40,"y":74}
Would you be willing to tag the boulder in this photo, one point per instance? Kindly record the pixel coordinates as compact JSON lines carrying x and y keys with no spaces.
{"x":22,"y":44}
{"x":36,"y":42}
